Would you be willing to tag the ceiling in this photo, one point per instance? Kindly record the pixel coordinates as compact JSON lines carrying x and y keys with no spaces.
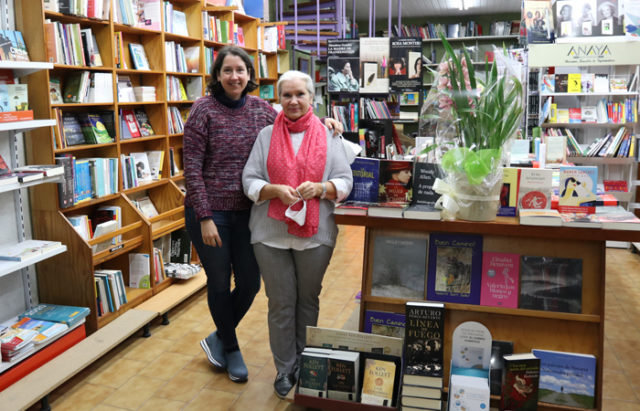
{"x":435,"y":8}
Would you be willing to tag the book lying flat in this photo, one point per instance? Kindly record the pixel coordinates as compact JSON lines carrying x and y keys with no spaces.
{"x":544,"y":217}
{"x":26,"y":249}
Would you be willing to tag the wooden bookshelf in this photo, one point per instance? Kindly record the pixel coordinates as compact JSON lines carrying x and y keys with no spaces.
{"x":582,"y":332}
{"x":68,"y":279}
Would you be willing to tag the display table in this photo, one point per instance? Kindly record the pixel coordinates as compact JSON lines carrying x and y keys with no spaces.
{"x":528,"y":329}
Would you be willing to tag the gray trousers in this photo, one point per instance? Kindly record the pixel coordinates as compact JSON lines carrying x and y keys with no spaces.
{"x":292,"y":282}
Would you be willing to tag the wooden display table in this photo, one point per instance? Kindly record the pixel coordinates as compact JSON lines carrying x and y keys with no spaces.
{"x":528,"y":329}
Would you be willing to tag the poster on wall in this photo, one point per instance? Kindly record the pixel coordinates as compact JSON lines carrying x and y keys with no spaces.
{"x":586,"y":18}
{"x":405,"y":64}
{"x":374,"y":65}
{"x":343,"y":65}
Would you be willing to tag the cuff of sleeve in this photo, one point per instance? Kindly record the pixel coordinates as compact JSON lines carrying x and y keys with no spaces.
{"x":341,"y":189}
{"x":254,"y":191}
{"x":206,"y":218}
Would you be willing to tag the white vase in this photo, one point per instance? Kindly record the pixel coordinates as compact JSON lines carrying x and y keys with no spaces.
{"x":477,"y":202}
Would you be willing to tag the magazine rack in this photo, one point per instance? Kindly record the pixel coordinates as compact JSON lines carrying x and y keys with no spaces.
{"x":528,"y":329}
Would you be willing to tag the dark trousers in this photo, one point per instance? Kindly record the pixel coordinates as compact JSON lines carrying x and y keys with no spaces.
{"x":236,"y":255}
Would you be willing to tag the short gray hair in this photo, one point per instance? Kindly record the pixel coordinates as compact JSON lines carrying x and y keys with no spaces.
{"x":296,"y":75}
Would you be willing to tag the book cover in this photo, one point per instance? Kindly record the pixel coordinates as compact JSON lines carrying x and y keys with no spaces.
{"x":139,"y":271}
{"x":374,"y":62}
{"x":314,"y":369}
{"x":574,"y":83}
{"x":520,"y":380}
{"x":534,"y":189}
{"x":139,"y":56}
{"x":69,"y":315}
{"x":500,"y":278}
{"x":424,"y":344}
{"x":353,"y":341}
{"x":342,"y":380}
{"x":567,"y":378}
{"x":538,"y":22}
{"x":455,"y":268}
{"x":142,"y":167}
{"x":405,"y":64}
{"x":580,"y":220}
{"x":562,"y":83}
{"x":498,"y":350}
{"x":143,"y":121}
{"x":378,"y":382}
{"x":366,"y":172}
{"x":395,"y":185}
{"x":423,"y":196}
{"x":471,"y":350}
{"x":4,"y":168}
{"x":548,"y":84}
{"x":399,"y":266}
{"x":509,"y":192}
{"x":45,"y":329}
{"x":343,"y":65}
{"x":577,"y":189}
{"x":384,"y":323}
{"x":180,"y":246}
{"x":551,"y":284}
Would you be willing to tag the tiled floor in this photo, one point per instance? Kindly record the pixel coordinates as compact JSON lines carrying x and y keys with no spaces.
{"x":169,"y":371}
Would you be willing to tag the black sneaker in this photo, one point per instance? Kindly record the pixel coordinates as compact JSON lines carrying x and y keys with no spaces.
{"x":283,"y":384}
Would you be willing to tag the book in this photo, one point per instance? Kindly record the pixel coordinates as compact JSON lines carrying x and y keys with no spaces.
{"x":574,"y":83}
{"x":422,"y":206}
{"x":424,"y":344}
{"x":577,"y":189}
{"x":386,"y":210}
{"x":45,"y":329}
{"x":468,"y":392}
{"x":365,"y":173}
{"x":534,"y":189}
{"x":66,"y":314}
{"x":498,"y":350}
{"x":180,"y":247}
{"x":548,"y":84}
{"x":455,"y":268}
{"x":155,"y":158}
{"x":500,"y":279}
{"x":420,"y":403}
{"x":15,"y":339}
{"x":566,"y":378}
{"x":520,"y":382}
{"x":351,"y":208}
{"x":49,"y":170}
{"x":614,"y":218}
{"x":378,"y":382}
{"x":143,"y":122}
{"x":399,"y":266}
{"x":145,"y":205}
{"x":142,"y":168}
{"x":26,"y":249}
{"x":562,"y":83}
{"x":139,"y":56}
{"x":139,"y":270}
{"x":343,"y":381}
{"x":314,"y":369}
{"x":55,"y":90}
{"x":353,"y":341}
{"x":509,"y":192}
{"x":601,"y":83}
{"x":384,"y":323}
{"x":580,"y":220}
{"x":551,"y":284}
{"x":545,"y":217}
{"x":395,"y":181}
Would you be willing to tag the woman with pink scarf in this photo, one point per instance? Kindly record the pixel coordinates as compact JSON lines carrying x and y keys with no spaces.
{"x":295,"y":172}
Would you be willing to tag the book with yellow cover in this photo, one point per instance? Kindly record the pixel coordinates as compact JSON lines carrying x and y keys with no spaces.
{"x":377,"y":385}
{"x":574,"y":84}
{"x":562,"y":115}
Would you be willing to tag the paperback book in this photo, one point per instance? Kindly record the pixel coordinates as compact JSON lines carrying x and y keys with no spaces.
{"x":343,"y":65}
{"x":520,"y":380}
{"x":384,"y":323}
{"x":551,"y":284}
{"x":578,"y":185}
{"x":455,"y":268}
{"x":405,"y":70}
{"x":422,"y":206}
{"x":399,"y":266}
{"x":424,"y":344}
{"x":500,"y":279}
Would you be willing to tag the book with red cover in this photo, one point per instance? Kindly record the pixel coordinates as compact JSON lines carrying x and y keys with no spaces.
{"x":4,"y":168}
{"x":615,"y":185}
{"x":520,"y":378}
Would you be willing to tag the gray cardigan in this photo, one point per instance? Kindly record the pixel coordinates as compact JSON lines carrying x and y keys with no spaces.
{"x":264,"y":228}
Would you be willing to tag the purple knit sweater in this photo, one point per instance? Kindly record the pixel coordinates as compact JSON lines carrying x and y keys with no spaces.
{"x":217,"y":143}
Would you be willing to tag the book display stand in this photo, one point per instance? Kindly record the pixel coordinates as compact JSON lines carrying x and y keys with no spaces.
{"x":551,"y":330}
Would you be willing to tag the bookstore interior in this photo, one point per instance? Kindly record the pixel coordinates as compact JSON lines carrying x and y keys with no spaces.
{"x":494,"y":165}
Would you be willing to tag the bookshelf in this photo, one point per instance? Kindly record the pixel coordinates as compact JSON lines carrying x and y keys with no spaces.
{"x":582,"y":332}
{"x":69,"y":279}
{"x":564,"y":59}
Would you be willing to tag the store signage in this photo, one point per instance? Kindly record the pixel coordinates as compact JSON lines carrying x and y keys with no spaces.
{"x":584,"y":54}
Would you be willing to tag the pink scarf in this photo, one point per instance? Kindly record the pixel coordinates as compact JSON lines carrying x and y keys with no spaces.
{"x":285,"y":167}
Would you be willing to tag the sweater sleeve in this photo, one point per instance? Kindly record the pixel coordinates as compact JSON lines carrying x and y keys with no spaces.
{"x":194,"y":154}
{"x":255,"y":174}
{"x":339,"y":168}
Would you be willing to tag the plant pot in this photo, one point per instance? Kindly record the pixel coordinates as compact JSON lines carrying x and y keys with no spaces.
{"x":477,"y":202}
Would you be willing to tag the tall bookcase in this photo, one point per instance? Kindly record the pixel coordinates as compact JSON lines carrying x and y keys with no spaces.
{"x":69,"y":279}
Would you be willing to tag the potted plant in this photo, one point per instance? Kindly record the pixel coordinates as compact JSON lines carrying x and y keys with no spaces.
{"x":483,"y":114}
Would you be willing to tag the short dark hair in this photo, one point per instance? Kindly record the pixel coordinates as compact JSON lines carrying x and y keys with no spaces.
{"x":214,"y":87}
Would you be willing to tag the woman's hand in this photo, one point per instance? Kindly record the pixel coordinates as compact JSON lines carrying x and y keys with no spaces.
{"x":309,"y":190}
{"x":287,"y":194}
{"x":334,"y":125}
{"x":210,"y":234}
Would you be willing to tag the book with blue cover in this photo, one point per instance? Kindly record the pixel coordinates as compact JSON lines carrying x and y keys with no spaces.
{"x":366,"y":174}
{"x":577,"y":189}
{"x":384,"y":323}
{"x":455,"y":268}
{"x":567,"y":378}
{"x":66,"y":314}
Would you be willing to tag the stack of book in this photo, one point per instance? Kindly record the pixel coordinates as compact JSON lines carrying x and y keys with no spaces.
{"x":422,"y":379}
{"x":145,"y":93}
